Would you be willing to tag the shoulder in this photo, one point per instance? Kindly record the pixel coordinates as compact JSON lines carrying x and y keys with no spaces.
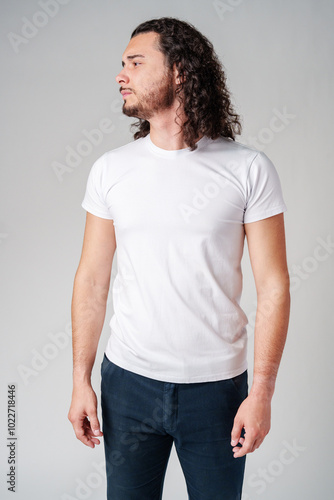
{"x":237,"y":156}
{"x":120,"y":156}
{"x":236,"y":150}
{"x":129,"y":149}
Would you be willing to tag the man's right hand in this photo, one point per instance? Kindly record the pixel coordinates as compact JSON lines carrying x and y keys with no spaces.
{"x":83,"y":415}
{"x":90,"y":293}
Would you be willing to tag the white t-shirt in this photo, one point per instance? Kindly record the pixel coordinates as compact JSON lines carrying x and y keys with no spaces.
{"x":178,"y":218}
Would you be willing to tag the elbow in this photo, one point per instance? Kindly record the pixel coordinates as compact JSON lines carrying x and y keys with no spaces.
{"x":275,"y":286}
{"x":89,"y":283}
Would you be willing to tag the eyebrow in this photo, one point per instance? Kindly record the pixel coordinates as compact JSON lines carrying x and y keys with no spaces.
{"x":132,"y":57}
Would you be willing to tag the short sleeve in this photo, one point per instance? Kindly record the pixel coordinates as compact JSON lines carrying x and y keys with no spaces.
{"x":264,"y":191}
{"x":94,"y":200}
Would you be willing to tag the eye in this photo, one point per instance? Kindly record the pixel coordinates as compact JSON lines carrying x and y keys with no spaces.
{"x":136,"y":63}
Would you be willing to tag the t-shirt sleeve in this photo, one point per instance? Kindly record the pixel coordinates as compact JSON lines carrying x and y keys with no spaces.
{"x":94,"y":199}
{"x":264,"y":191}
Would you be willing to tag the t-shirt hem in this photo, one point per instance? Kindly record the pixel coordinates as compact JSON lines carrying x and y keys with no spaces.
{"x":266,"y":214}
{"x":213,"y":377}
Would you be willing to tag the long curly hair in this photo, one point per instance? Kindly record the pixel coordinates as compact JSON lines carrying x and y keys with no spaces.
{"x":203,"y":92}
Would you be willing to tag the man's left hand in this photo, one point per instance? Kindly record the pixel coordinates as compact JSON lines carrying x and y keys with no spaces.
{"x":253,"y":415}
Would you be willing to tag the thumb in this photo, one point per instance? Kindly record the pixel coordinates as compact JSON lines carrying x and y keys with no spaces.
{"x":236,"y":431}
{"x":94,"y":423}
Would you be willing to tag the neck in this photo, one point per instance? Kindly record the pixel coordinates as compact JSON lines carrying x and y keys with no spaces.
{"x":165,"y":133}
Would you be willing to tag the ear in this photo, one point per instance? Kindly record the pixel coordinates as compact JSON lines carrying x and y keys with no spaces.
{"x":179,"y":79}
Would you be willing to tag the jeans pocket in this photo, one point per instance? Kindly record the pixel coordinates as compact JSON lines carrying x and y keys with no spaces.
{"x":240,"y":384}
{"x":105,"y":365}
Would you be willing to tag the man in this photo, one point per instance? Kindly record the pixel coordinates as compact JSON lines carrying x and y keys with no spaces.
{"x":178,"y":202}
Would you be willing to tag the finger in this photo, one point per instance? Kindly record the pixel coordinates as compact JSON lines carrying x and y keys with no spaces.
{"x":239,"y":451}
{"x":236,"y":432}
{"x":84,"y":433}
{"x":237,"y":447}
{"x":89,"y":433}
{"x":247,"y":447}
{"x":94,"y":423}
{"x":80,"y":432}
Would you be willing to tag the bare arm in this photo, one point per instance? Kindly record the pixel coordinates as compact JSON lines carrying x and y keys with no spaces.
{"x":266,"y":245}
{"x":90,"y":292}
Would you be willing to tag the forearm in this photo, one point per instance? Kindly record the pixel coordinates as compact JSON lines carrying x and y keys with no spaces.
{"x":271,"y":326}
{"x":88,"y":313}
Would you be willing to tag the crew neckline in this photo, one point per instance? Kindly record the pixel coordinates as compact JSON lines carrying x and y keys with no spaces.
{"x":166,"y":153}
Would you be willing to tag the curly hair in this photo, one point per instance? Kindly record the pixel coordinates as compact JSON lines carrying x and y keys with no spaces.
{"x":203,"y":92}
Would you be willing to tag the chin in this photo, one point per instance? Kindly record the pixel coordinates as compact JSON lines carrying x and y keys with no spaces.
{"x":131,"y":111}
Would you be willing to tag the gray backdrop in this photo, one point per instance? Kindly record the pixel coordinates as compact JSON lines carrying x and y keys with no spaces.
{"x":59,"y":59}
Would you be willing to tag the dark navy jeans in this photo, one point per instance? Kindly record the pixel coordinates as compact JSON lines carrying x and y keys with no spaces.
{"x":142,"y":417}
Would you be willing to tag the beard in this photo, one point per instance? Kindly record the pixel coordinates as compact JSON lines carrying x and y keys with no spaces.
{"x":159,"y":98}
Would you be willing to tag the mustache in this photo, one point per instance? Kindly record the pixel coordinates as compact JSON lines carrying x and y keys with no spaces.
{"x":125,"y":88}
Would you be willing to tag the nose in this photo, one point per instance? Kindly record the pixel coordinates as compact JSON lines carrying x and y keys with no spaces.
{"x":122,"y":77}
